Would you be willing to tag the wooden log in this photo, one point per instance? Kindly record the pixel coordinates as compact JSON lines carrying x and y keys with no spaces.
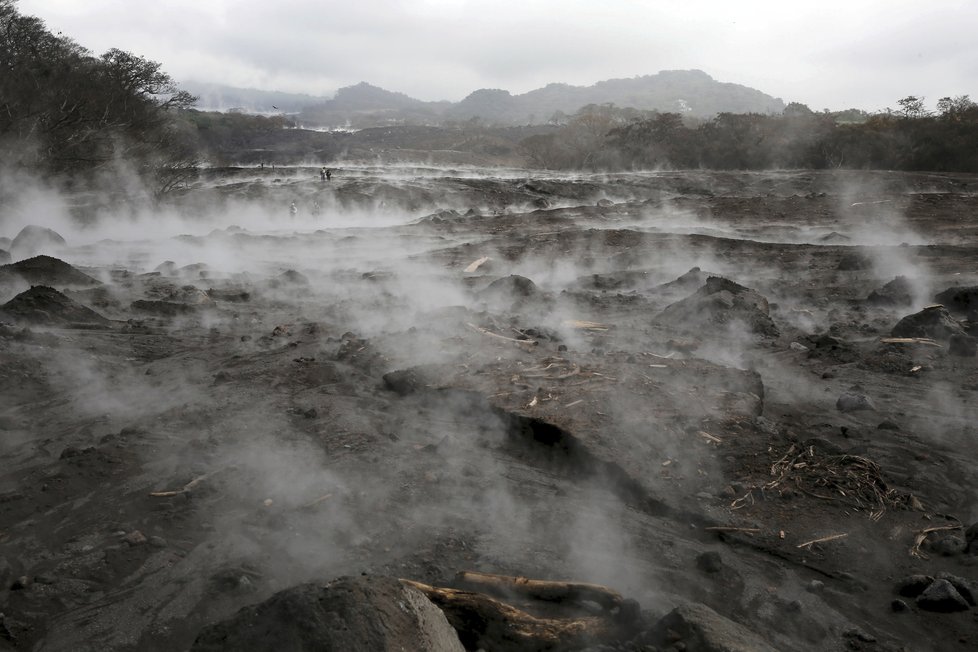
{"x":483,"y":622}
{"x":550,"y":591}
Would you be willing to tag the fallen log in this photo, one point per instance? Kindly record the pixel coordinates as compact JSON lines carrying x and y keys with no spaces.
{"x":483,"y":622}
{"x":550,"y":591}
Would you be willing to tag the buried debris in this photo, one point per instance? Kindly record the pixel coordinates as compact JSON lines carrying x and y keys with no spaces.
{"x":476,"y":264}
{"x":497,"y":336}
{"x":851,"y":479}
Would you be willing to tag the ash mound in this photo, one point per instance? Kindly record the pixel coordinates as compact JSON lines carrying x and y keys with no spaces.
{"x":350,"y":613}
{"x":721,"y":301}
{"x":43,"y":305}
{"x":34,"y":239}
{"x":47,"y":270}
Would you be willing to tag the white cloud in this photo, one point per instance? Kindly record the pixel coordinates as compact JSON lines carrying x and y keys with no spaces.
{"x":829,"y":54}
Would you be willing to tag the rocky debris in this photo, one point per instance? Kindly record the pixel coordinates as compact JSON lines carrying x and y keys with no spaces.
{"x":834,"y":237}
{"x":701,"y":629}
{"x":687,"y":282}
{"x":965,"y":587}
{"x":897,"y":292}
{"x":913,"y":585}
{"x":162,"y":308}
{"x":960,"y":300}
{"x":34,"y":239}
{"x":852,"y":262}
{"x":47,"y":270}
{"x":719,"y":302}
{"x":511,"y":289}
{"x":229,"y":295}
{"x":853,"y":400}
{"x":167,"y":268}
{"x":135,"y":538}
{"x":46,"y":306}
{"x":289,"y":278}
{"x":350,"y":613}
{"x":933,"y":321}
{"x":709,"y":562}
{"x":943,"y":597}
{"x":963,"y":346}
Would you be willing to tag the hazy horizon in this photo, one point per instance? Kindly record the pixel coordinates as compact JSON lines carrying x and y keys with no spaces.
{"x":835,"y":55}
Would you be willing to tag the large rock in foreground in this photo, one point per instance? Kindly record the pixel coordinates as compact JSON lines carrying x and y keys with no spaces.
{"x":352,"y":613}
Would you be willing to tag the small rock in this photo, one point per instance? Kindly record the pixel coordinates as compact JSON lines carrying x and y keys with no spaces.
{"x":709,"y":562}
{"x":852,"y":401}
{"x":135,"y":538}
{"x":157,"y":542}
{"x":943,"y":597}
{"x":815,"y":586}
{"x":21,"y":583}
{"x":899,"y":606}
{"x":859,"y":634}
{"x":797,"y":346}
{"x":913,"y":585}
{"x":966,"y":588}
{"x":887,"y":425}
{"x":949,"y":546}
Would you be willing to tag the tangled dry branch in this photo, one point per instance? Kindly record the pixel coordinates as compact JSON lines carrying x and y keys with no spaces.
{"x":852,"y":479}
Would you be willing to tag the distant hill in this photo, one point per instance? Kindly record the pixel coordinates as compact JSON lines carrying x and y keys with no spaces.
{"x":218,"y":97}
{"x":692,"y":92}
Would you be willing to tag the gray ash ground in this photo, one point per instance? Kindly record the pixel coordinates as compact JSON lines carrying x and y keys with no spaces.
{"x":263,"y":402}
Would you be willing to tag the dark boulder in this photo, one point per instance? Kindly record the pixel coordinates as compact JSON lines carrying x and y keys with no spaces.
{"x":362,"y":613}
{"x":34,"y":239}
{"x":933,"y":321}
{"x":512,"y":289}
{"x":897,"y":292}
{"x":853,"y":400}
{"x":943,"y":597}
{"x":701,"y":629}
{"x":46,"y":306}
{"x":960,"y":300}
{"x":719,"y":302}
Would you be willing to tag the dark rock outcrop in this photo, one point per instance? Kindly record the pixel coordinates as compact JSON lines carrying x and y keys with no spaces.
{"x":897,"y":292}
{"x":719,"y":302}
{"x":704,"y":630}
{"x":933,"y":321}
{"x":362,"y":613}
{"x":46,"y":306}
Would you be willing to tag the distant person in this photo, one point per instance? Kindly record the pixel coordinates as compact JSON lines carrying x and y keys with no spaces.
{"x":329,"y":174}
{"x":322,"y":174}
{"x":316,"y":208}
{"x":293,"y":210}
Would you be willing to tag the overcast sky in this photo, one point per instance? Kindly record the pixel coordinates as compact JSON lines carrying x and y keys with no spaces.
{"x":825,"y":53}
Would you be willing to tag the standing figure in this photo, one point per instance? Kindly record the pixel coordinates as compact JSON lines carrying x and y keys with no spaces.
{"x":329,"y":174}
{"x":293,"y":210}
{"x":322,"y":174}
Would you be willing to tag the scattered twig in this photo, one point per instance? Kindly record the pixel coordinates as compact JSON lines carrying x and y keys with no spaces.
{"x":176,"y":492}
{"x":476,"y":264}
{"x":831,"y":537}
{"x":910,"y":340}
{"x":724,"y":528}
{"x":497,"y":336}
